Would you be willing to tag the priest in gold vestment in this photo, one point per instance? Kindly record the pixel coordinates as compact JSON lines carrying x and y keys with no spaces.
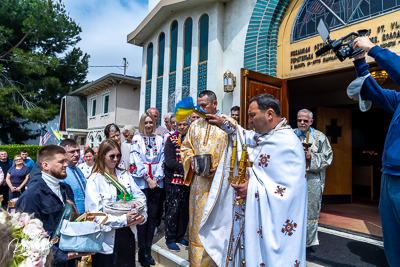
{"x":202,"y":138}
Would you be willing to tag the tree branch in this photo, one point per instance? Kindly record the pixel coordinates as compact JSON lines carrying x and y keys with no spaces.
{"x":19,"y":43}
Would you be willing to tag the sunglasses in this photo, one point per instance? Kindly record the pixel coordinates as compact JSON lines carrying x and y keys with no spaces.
{"x":18,"y":159}
{"x":300,"y":120}
{"x":112,"y":157}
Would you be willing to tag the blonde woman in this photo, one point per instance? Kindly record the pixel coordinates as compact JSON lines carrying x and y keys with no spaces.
{"x":119,"y":244}
{"x":146,"y":165}
{"x":17,"y":177}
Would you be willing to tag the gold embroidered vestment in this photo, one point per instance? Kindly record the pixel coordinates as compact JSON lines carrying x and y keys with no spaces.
{"x":202,"y":138}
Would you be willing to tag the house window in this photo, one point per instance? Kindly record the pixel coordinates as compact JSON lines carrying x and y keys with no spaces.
{"x":91,"y":141}
{"x":106,"y":103}
{"x":99,"y":140}
{"x":93,"y":107}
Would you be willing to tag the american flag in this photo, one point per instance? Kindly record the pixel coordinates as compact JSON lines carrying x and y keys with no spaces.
{"x":44,"y":137}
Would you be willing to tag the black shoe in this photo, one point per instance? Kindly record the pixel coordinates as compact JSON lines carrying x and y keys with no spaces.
{"x":143,"y":258}
{"x":309,"y":250}
{"x":149,"y":258}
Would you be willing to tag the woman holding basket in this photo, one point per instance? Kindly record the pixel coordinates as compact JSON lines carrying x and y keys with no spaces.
{"x":107,"y":184}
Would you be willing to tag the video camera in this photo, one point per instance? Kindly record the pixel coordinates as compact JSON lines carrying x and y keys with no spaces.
{"x":341,"y":48}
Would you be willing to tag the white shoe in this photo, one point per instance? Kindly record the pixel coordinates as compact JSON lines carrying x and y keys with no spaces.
{"x":155,"y":231}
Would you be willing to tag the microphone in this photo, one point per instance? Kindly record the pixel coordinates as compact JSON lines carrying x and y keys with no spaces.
{"x":323,"y":50}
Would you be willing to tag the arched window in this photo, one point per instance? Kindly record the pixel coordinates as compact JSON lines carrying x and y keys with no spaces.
{"x":172,"y":66}
{"x":99,"y":140}
{"x":91,"y":141}
{"x":149,"y":75}
{"x":337,"y":14}
{"x":160,"y":72}
{"x":187,"y":57}
{"x":203,"y":53}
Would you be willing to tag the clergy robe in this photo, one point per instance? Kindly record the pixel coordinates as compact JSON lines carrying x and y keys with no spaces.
{"x":275,"y":211}
{"x":321,"y":158}
{"x":202,"y":138}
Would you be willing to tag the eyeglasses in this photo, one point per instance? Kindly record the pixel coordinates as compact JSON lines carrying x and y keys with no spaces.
{"x":18,"y":160}
{"x":112,"y":157}
{"x":300,"y":120}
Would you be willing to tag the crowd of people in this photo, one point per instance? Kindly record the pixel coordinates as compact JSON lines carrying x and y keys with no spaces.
{"x":155,"y":165}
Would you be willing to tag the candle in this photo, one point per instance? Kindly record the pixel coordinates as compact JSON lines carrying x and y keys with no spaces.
{"x":307,"y":137}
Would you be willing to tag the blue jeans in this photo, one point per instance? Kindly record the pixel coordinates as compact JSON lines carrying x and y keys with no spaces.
{"x":389,"y":209}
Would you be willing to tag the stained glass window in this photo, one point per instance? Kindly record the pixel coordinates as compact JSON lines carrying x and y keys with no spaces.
{"x":187,"y":46}
{"x":203,"y":44}
{"x":174,"y":46}
{"x":149,"y":61}
{"x":337,"y":14}
{"x":161,"y":53}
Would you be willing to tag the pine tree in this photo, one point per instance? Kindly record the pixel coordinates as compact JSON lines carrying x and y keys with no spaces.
{"x":39,"y":64}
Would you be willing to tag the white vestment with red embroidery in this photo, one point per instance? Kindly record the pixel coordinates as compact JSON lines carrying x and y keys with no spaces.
{"x":276,"y":205}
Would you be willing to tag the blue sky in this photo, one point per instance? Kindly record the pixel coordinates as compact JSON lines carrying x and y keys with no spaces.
{"x":105,"y":25}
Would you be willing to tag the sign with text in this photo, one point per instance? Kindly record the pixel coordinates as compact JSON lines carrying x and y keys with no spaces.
{"x":299,"y":59}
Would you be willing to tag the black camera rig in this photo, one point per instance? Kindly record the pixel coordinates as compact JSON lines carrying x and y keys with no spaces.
{"x":342,"y":48}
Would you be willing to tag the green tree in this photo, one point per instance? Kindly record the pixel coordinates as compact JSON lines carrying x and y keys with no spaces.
{"x":39,"y":64}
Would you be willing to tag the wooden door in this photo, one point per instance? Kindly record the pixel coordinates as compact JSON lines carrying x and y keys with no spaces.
{"x":335,"y":123}
{"x":255,"y":83}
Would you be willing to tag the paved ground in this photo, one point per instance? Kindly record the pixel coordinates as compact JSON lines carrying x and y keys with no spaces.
{"x":347,"y":250}
{"x":336,"y":249}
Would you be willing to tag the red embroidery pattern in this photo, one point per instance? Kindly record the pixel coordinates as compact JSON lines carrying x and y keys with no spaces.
{"x":150,"y":144}
{"x":260,"y":232}
{"x":289,"y":228}
{"x":257,"y":196}
{"x":178,"y":177}
{"x":133,"y":168}
{"x":280,"y":190}
{"x":297,"y":263}
{"x":264,"y":159}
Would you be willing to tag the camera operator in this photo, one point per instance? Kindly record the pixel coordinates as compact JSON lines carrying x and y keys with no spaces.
{"x":365,"y":89}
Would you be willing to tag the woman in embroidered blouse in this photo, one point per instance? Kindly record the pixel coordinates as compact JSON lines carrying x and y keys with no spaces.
{"x":119,"y":244}
{"x":87,"y":166}
{"x":177,"y":199}
{"x":146,"y":165}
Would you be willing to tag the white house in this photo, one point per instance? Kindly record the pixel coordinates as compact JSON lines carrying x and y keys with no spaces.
{"x":113,"y":98}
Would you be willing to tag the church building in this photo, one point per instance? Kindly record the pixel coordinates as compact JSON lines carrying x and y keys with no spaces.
{"x":242,"y":48}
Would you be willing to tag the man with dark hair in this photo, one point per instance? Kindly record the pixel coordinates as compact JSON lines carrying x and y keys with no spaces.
{"x":28,"y":162}
{"x":202,"y":138}
{"x":235,"y":113}
{"x":47,"y":197}
{"x":5,"y":165}
{"x":275,"y":191}
{"x":75,"y":177}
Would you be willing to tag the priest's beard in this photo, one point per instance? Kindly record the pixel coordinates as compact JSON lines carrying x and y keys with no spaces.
{"x":303,"y":129}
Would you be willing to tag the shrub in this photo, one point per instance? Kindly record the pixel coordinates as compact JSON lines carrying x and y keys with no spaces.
{"x":13,"y":150}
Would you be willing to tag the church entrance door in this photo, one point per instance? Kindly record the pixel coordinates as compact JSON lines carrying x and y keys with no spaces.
{"x":335,"y":123}
{"x":254,"y":83}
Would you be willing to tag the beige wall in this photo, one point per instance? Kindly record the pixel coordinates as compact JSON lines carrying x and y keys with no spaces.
{"x":123,"y":106}
{"x":128,"y":101}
